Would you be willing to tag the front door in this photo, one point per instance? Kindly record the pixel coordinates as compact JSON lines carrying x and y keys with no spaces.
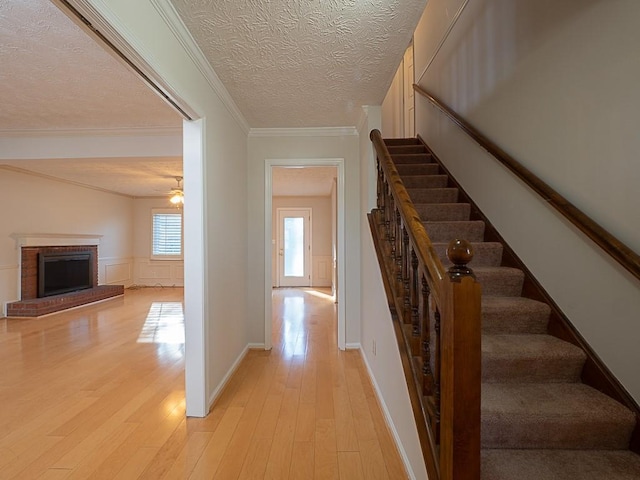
{"x":294,"y":247}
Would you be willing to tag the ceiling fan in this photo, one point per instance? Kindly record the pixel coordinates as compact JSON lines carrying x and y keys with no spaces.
{"x":176,"y":195}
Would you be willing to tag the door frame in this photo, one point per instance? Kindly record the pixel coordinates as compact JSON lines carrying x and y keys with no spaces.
{"x":268,"y":244}
{"x":308,"y":254}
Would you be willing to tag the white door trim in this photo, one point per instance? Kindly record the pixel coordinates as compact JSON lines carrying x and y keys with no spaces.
{"x":268,"y":245}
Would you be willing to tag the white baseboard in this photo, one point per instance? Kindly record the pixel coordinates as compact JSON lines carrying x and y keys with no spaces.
{"x":256,"y":346}
{"x":389,"y":420}
{"x":216,"y":393}
{"x":353,"y":346}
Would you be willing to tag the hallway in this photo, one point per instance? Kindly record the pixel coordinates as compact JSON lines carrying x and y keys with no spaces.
{"x":98,"y":392}
{"x":304,"y":410}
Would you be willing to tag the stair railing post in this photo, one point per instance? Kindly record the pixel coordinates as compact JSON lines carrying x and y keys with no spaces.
{"x":461,"y":369}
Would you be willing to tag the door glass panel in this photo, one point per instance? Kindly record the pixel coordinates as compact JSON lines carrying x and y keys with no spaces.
{"x":294,"y":246}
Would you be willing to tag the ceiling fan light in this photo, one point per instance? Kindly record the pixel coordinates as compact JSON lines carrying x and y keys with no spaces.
{"x":177,"y":198}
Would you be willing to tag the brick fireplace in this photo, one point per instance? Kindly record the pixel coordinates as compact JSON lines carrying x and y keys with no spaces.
{"x":30,"y":304}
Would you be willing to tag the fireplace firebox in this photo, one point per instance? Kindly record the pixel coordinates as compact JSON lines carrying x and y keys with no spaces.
{"x":64,"y":272}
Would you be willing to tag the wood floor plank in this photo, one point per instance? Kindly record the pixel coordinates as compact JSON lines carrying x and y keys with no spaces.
{"x":212,"y":455}
{"x":350,"y":466}
{"x":137,"y":463}
{"x":83,"y":398}
{"x":302,"y":463}
{"x":326,"y":455}
{"x":184,"y":462}
{"x":279,"y":462}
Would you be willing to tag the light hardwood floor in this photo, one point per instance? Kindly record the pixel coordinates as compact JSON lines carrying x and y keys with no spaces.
{"x":98,"y":393}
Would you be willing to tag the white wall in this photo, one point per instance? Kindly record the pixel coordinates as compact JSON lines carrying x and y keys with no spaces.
{"x":302,"y":147}
{"x":555,"y":85}
{"x":383,"y":361}
{"x":393,"y":107}
{"x":40,"y":205}
{"x":145,"y":270}
{"x":320,"y":235}
{"x":222,"y":278}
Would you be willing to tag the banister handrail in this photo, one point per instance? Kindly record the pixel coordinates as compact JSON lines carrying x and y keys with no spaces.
{"x":437,"y":321}
{"x":620,"y":252}
{"x":426,"y":253}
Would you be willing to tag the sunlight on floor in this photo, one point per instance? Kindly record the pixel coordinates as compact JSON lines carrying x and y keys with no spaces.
{"x":164,"y":324}
{"x":293,"y":331}
{"x":318,"y":293}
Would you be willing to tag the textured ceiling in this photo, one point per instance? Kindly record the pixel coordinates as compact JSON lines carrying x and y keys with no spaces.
{"x":286,"y":63}
{"x":137,"y":177}
{"x":53,"y":76}
{"x":302,"y":63}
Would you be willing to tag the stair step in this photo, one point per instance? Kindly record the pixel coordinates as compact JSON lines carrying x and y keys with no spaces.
{"x":530,"y":358}
{"x":500,"y":281}
{"x":404,"y":149}
{"x":402,"y":141}
{"x":418,"y":169}
{"x":425,"y":181}
{"x":470,"y":230}
{"x":513,"y":315}
{"x":487,"y":254}
{"x":553,"y":415}
{"x":560,"y":465}
{"x":433,"y":195}
{"x":412,"y":158}
{"x":438,"y":212}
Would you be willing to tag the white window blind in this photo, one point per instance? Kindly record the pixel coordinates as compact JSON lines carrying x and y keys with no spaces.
{"x":167,"y":234}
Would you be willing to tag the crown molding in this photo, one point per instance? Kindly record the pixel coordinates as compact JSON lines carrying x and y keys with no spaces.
{"x":23,"y":171}
{"x":304,"y":132}
{"x":183,"y":35}
{"x":94,"y":132}
{"x":97,"y":19}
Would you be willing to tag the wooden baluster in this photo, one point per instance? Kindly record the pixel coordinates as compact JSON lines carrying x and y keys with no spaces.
{"x":398,"y":268}
{"x":437,"y":374}
{"x":427,"y":384}
{"x":406,"y":273}
{"x":388,"y":206}
{"x":415,"y":295}
{"x":391,"y":235}
{"x":379,"y":187}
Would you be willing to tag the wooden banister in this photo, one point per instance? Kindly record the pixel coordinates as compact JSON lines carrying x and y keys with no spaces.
{"x":626,"y":257}
{"x":437,"y":321}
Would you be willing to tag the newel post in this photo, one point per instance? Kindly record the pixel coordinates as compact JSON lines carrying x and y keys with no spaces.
{"x":461,"y":368}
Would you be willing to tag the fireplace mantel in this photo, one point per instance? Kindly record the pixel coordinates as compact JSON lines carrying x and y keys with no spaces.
{"x":54,"y":239}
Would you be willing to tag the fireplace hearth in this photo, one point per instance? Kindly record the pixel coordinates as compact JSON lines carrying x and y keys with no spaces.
{"x":55,"y":278}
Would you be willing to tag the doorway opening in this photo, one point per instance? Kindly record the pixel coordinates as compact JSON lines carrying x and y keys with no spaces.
{"x":293,"y":247}
{"x":324,"y":264}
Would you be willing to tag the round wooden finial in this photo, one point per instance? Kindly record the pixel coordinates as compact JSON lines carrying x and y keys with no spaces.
{"x":459,"y":252}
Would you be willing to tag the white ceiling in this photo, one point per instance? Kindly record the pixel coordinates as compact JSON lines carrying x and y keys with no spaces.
{"x":305,"y":63}
{"x":299,"y":182}
{"x":286,"y":63}
{"x":53,"y":76}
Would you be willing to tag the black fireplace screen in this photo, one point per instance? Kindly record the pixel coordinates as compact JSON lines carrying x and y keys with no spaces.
{"x":64,"y":272}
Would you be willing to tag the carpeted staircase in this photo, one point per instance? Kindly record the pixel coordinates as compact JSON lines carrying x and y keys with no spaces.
{"x":538,"y":420}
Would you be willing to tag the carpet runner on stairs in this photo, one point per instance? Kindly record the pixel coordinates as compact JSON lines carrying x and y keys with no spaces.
{"x":538,"y":420}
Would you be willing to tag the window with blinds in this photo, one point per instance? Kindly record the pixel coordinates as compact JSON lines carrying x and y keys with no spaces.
{"x":166,"y":234}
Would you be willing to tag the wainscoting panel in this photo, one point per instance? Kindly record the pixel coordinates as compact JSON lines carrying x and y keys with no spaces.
{"x":158,"y":272}
{"x":321,"y":274}
{"x":119,"y":273}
